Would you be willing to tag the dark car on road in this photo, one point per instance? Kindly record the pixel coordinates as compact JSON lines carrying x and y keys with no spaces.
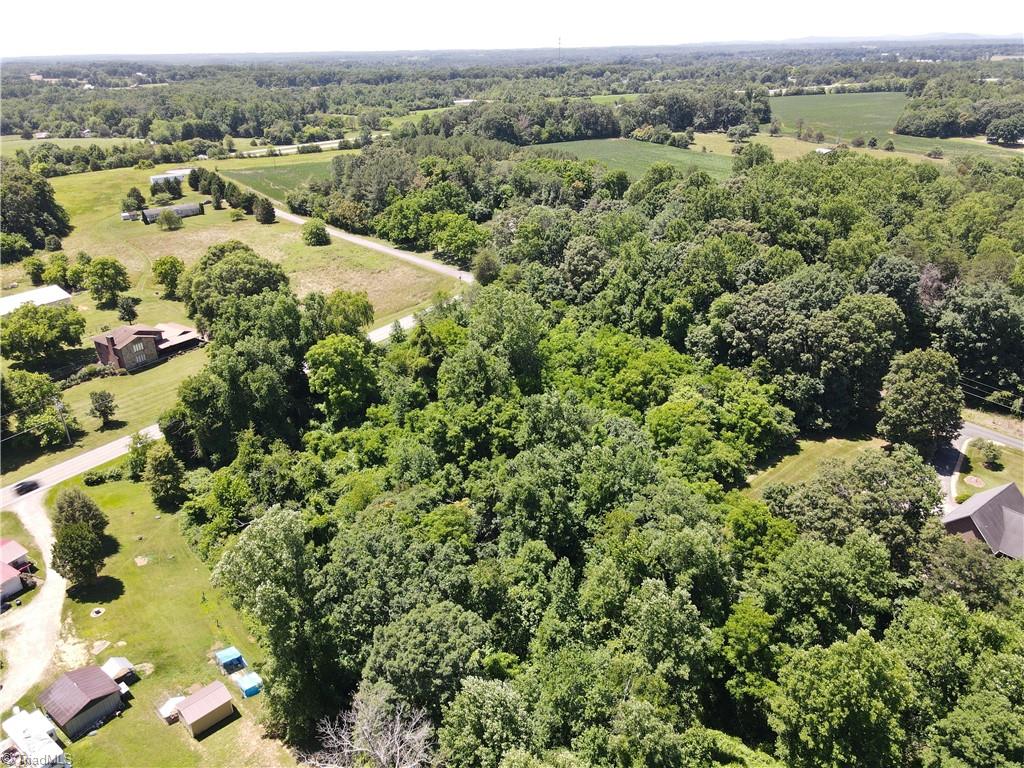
{"x":26,"y":486}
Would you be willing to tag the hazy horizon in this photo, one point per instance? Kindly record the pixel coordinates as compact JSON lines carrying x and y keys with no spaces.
{"x":102,"y":29}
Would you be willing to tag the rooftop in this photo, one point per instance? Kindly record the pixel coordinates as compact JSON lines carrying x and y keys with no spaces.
{"x":74,"y":691}
{"x":48,"y":294}
{"x":10,"y":550}
{"x":998,"y":514}
{"x":203,"y":702}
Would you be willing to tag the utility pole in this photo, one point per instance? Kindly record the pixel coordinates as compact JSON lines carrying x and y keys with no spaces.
{"x":59,"y":407}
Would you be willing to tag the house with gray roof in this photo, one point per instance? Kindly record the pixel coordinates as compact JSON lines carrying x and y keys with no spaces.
{"x":995,"y":516}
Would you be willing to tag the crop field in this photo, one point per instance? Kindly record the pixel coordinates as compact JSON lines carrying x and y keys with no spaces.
{"x":635,"y":157}
{"x":161,"y":612}
{"x":10,"y":144}
{"x":277,"y":180}
{"x":842,"y":116}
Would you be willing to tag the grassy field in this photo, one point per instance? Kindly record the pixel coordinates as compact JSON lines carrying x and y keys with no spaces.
{"x":276,"y":181}
{"x":141,"y":397}
{"x":791,"y":148}
{"x":614,"y":98}
{"x":1010,"y":469}
{"x":805,"y":461}
{"x":92,"y":199}
{"x":635,"y":157}
{"x":159,"y":610}
{"x":10,"y":144}
{"x":413,"y":117}
{"x":842,"y":116}
{"x":11,"y":528}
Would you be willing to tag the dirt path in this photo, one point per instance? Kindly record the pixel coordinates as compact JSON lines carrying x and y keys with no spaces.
{"x":30,"y":632}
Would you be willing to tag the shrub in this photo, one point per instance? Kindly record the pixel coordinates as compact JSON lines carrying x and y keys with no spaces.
{"x":52,"y":243}
{"x":236,"y":215}
{"x":168,"y":221}
{"x":14,"y":247}
{"x":991,"y":454}
{"x":314,"y":232}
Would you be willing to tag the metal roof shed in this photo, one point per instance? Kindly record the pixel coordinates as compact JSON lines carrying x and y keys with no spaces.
{"x":81,"y":699}
{"x":205,"y":708}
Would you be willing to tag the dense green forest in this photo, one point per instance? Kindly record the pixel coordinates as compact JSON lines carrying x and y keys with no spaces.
{"x":520,"y":533}
{"x":519,"y":527}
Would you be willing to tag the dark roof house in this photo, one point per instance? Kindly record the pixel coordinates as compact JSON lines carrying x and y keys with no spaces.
{"x":81,"y":699}
{"x":131,"y":346}
{"x":995,"y":516}
{"x":184,"y":210}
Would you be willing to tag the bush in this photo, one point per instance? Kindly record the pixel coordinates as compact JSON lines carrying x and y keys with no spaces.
{"x":962,"y":497}
{"x":14,"y":247}
{"x":236,"y":215}
{"x":308,"y":149}
{"x":314,"y":232}
{"x":90,"y":372}
{"x":52,"y":243}
{"x":169,"y":221}
{"x":991,"y":454}
{"x":889,"y":146}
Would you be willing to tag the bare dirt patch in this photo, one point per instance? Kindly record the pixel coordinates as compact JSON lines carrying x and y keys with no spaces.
{"x":977,"y":482}
{"x":99,"y":647}
{"x":141,"y":561}
{"x":71,"y":651}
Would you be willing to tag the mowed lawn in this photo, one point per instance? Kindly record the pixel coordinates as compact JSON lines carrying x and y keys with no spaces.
{"x":140,"y":397}
{"x":161,"y":612}
{"x":807,"y":459}
{"x":843,"y":116}
{"x":635,"y":157}
{"x":1009,"y":470}
{"x":792,"y":148}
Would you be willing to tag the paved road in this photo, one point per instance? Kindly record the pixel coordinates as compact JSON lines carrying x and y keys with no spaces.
{"x":398,"y":253}
{"x":948,"y":457}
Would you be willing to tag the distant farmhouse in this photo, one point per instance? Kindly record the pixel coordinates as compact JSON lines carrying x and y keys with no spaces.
{"x":48,"y":295}
{"x":131,"y":346}
{"x":150,"y":215}
{"x":995,"y":517}
{"x":175,"y":173}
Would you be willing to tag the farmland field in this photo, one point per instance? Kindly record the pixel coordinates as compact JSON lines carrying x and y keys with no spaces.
{"x":635,"y":157}
{"x":277,"y":180}
{"x":842,"y":116}
{"x":161,"y":612}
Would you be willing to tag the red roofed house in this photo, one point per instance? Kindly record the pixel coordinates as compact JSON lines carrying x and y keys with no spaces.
{"x":12,"y":553}
{"x":131,"y":346}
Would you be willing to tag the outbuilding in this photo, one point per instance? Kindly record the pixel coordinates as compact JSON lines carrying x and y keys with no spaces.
{"x":205,"y":708}
{"x":48,"y":295}
{"x":229,"y":659}
{"x":118,"y":668}
{"x":80,"y":700}
{"x":184,"y":210}
{"x":248,"y":682}
{"x":179,"y":174}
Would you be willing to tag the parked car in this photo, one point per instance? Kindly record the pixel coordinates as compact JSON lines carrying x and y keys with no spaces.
{"x":26,"y":486}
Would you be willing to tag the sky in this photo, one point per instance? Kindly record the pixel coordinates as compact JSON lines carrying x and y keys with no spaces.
{"x":77,"y":27}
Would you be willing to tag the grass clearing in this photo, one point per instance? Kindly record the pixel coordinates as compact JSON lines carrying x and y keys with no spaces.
{"x":843,"y":116}
{"x":806,"y":460}
{"x":277,"y":181}
{"x":164,"y":613}
{"x":635,"y":157}
{"x":11,"y":528}
{"x":1009,"y":470}
{"x":141,"y":397}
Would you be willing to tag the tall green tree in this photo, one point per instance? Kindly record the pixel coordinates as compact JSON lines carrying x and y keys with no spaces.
{"x":922,"y":401}
{"x":340,"y":372}
{"x":31,"y":332}
{"x":106,"y":278}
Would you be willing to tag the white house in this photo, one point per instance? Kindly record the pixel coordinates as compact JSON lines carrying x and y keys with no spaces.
{"x":175,"y":173}
{"x":46,"y":296}
{"x":10,"y":581}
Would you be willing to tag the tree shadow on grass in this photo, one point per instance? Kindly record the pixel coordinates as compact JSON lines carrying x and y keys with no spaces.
{"x":112,"y":424}
{"x":105,"y":589}
{"x":111,"y":546}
